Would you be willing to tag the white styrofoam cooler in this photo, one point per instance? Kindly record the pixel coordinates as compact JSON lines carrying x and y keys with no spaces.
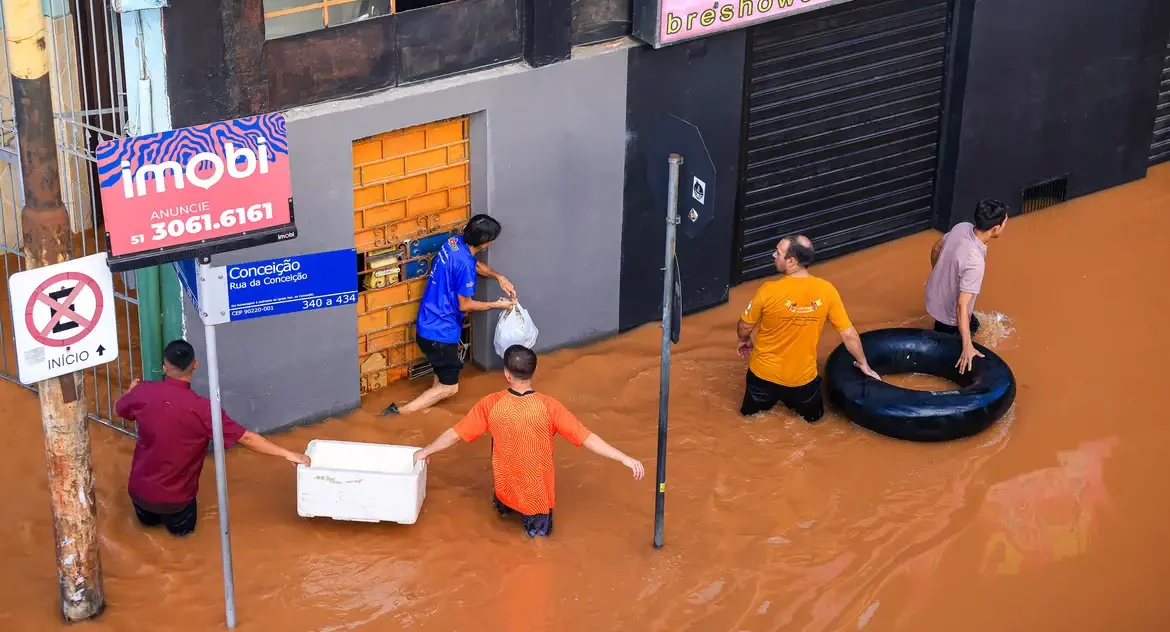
{"x":365,"y":482}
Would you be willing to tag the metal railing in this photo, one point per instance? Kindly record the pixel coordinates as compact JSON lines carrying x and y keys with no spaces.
{"x":89,"y":98}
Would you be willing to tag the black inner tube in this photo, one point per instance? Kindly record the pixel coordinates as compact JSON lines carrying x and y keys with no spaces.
{"x":983,"y":395}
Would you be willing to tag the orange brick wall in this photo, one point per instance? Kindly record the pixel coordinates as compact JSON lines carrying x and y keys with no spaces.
{"x":408,"y":184}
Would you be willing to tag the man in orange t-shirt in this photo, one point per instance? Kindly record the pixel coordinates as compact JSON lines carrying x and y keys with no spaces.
{"x":523,"y":423}
{"x":790,"y":313}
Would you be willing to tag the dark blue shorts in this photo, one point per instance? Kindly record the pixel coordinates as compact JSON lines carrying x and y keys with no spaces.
{"x":179,"y":523}
{"x":444,"y":359}
{"x":537,"y":525}
{"x":760,"y":395}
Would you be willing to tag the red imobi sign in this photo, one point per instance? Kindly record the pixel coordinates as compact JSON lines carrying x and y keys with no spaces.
{"x":195,"y":191}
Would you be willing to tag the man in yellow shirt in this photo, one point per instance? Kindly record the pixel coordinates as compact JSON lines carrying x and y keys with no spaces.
{"x":790,"y":313}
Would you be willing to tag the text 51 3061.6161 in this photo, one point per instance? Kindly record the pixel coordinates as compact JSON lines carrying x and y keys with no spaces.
{"x":194,"y":224}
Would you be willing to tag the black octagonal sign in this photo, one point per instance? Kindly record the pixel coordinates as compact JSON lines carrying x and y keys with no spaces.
{"x":696,"y":182}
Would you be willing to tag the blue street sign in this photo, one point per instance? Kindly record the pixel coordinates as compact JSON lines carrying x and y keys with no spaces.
{"x":185,"y":270}
{"x":293,"y":284}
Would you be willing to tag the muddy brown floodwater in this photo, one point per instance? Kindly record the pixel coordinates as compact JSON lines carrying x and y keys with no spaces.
{"x":1053,"y":519}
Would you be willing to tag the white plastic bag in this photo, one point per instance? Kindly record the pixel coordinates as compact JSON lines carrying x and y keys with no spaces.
{"x":515,"y":328}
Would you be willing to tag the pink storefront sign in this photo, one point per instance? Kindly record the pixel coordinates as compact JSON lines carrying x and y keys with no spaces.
{"x":664,"y":22}
{"x":192,"y":192}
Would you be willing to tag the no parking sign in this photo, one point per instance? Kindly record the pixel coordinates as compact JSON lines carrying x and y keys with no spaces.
{"x":63,"y":318}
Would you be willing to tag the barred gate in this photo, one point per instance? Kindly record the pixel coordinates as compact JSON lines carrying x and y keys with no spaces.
{"x":89,"y":102}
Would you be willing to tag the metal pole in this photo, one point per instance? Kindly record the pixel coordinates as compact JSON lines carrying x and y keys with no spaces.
{"x":664,"y":372}
{"x":225,"y":539}
{"x":46,"y":237}
{"x":150,"y":339}
{"x":170,"y":303}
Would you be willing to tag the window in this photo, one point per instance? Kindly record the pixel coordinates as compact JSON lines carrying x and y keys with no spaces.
{"x":283,"y":18}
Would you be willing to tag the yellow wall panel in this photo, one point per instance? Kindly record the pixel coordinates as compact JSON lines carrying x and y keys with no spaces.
{"x":396,"y":355}
{"x":368,"y":196}
{"x":416,"y":288}
{"x":459,"y":195}
{"x":386,"y":339}
{"x":454,"y":216}
{"x":425,"y":204}
{"x":445,"y":134}
{"x":447,"y":178}
{"x":408,"y":184}
{"x":379,"y":299}
{"x":406,"y":187}
{"x":367,"y":151}
{"x":426,"y":160}
{"x":402,"y":314}
{"x":406,"y":143}
{"x":382,"y":170}
{"x":372,"y":321}
{"x":365,"y":240}
{"x":409,"y":228}
{"x":385,"y":214}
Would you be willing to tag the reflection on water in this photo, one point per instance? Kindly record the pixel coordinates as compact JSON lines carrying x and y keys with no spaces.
{"x":1045,"y":516}
{"x":772,"y":524}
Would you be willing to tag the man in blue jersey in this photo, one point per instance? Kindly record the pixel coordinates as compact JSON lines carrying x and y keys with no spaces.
{"x":448,"y":295}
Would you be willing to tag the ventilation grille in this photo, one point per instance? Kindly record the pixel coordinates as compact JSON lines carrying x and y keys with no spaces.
{"x":1045,"y":194}
{"x":420,"y":369}
{"x":1160,"y":148}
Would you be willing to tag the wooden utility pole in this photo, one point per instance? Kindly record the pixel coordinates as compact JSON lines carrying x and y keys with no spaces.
{"x":46,"y":237}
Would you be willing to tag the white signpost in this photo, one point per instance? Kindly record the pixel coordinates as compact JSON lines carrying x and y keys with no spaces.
{"x":63,"y":317}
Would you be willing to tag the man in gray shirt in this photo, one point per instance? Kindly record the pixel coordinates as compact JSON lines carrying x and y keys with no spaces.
{"x":957,"y":261}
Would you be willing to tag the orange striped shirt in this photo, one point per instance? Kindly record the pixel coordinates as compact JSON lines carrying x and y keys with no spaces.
{"x":522,"y":429}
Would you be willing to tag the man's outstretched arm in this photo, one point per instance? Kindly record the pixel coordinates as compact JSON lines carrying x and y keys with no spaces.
{"x":598,"y":446}
{"x":257,"y":443}
{"x":445,"y":440}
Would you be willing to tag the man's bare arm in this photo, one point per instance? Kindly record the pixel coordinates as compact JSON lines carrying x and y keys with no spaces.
{"x":934,"y":252}
{"x":744,"y":331}
{"x":598,"y":446}
{"x":483,"y":270}
{"x":260,"y":445}
{"x":743,"y":347}
{"x":963,"y":310}
{"x":852,"y":342}
{"x":967,"y":358}
{"x":445,"y":440}
{"x":468,"y":304}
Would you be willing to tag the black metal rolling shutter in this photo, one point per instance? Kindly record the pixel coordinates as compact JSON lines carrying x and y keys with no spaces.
{"x":1160,"y":149}
{"x":842,"y":128}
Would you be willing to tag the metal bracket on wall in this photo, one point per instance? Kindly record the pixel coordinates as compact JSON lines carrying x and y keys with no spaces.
{"x":126,"y":6}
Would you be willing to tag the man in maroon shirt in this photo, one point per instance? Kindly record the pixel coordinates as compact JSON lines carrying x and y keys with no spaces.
{"x":174,"y":433}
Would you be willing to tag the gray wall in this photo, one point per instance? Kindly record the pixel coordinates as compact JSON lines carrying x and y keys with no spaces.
{"x":548,"y":152}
